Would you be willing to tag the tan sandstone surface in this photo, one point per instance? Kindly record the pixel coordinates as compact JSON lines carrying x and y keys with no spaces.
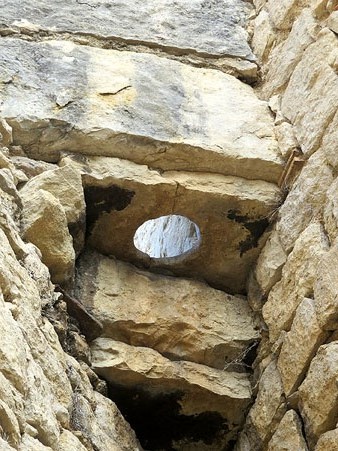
{"x":295,"y":280}
{"x":115,"y":113}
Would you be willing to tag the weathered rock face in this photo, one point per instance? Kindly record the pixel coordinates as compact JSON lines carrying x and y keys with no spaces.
{"x":268,"y":409}
{"x":39,"y":382}
{"x":288,"y":436}
{"x":181,"y":319}
{"x":297,"y":280}
{"x":209,"y":32}
{"x":135,"y":106}
{"x":329,"y":440}
{"x":45,"y":225}
{"x":294,"y":284}
{"x":123,"y":129}
{"x":65,"y":185}
{"x":318,"y":393}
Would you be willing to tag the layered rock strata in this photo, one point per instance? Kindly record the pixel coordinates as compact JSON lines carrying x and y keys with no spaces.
{"x":180,"y":318}
{"x":202,"y":396}
{"x":117,"y":138}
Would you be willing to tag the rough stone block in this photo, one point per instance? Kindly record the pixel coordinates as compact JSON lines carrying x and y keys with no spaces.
{"x":319,"y":393}
{"x":264,"y":35}
{"x":64,"y":184}
{"x":69,"y":441}
{"x":28,"y":443}
{"x":269,"y":406}
{"x":193,"y":389}
{"x":6,"y":137}
{"x":282,"y":13}
{"x":286,"y":139}
{"x":45,"y":225}
{"x":328,"y":441}
{"x":31,"y":168}
{"x":311,"y":98}
{"x":285,"y":56}
{"x":305,"y":201}
{"x":299,"y":346}
{"x":325,"y":289}
{"x":331,"y":211}
{"x":330,"y":142}
{"x":231,"y":214}
{"x":332,"y":22}
{"x":298,"y":277}
{"x":270,"y":263}
{"x":289,"y":435}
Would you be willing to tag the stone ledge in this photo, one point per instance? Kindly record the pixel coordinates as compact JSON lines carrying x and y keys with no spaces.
{"x":180,"y":318}
{"x":61,"y":96}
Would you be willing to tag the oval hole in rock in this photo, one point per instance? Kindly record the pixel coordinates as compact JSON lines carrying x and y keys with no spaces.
{"x":167,"y":236}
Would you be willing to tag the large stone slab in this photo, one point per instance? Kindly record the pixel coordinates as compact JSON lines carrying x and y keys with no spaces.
{"x":208,"y":29}
{"x":180,"y":318}
{"x":231,"y":213}
{"x":198,"y":395}
{"x":136,"y":106}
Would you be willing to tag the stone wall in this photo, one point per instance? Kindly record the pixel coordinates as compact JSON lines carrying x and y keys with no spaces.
{"x":294,"y":284}
{"x":50,"y":399}
{"x":114,"y":113}
{"x":101,"y":131}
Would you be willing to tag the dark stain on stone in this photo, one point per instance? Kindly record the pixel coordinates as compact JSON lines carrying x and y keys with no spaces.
{"x":158,"y":424}
{"x":256,"y":229}
{"x":104,"y":200}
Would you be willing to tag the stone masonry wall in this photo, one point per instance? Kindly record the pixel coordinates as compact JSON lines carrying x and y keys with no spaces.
{"x":101,"y":132}
{"x":50,"y":399}
{"x":112,"y":114}
{"x":294,"y":284}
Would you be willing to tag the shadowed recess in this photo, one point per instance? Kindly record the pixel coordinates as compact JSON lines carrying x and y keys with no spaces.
{"x":157,"y":421}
